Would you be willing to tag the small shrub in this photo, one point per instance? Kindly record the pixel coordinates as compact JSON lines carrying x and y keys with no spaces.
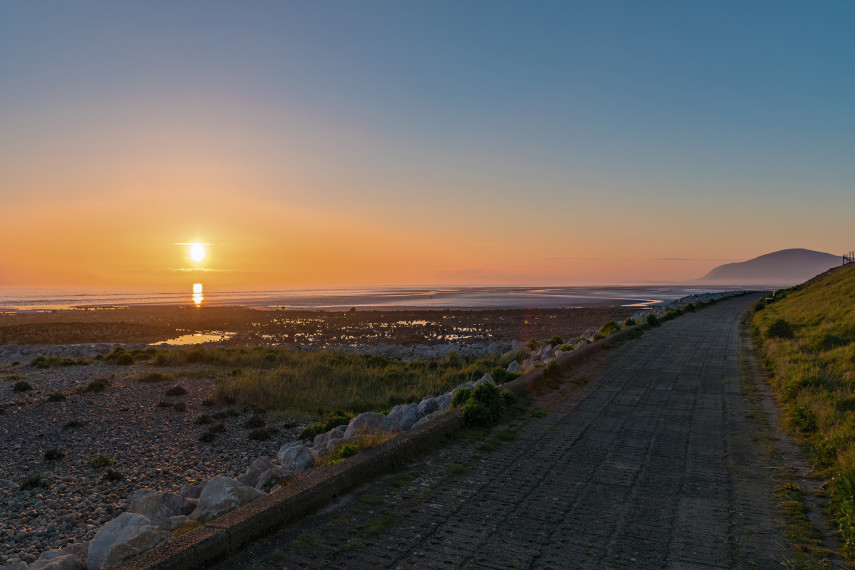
{"x":780,"y":329}
{"x":70,"y":424}
{"x":347,"y":450}
{"x":95,"y":386}
{"x":99,"y":461}
{"x":552,"y":370}
{"x":34,"y":482}
{"x":53,"y":455}
{"x":21,"y":386}
{"x":509,"y":397}
{"x":207,"y":402}
{"x":152,"y":377}
{"x":690,"y":307}
{"x":461,"y":396}
{"x":180,"y":407}
{"x":533,"y":344}
{"x":652,"y":320}
{"x":203,"y":420}
{"x":476,"y":414}
{"x":556,"y":340}
{"x":56,"y":397}
{"x":803,"y":419}
{"x":759,"y":305}
{"x":164,"y":404}
{"x":609,"y":328}
{"x":489,"y":395}
{"x":176,"y":391}
{"x":217,"y":428}
{"x":208,"y":437}
{"x":630,"y":322}
{"x":110,"y":475}
{"x":123,"y":359}
{"x":501,"y":375}
{"x":333,"y":420}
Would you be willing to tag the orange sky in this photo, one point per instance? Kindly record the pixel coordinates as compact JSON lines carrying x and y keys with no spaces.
{"x":335,"y":146}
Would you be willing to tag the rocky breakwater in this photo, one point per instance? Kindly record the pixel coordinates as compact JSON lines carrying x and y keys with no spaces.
{"x":153,"y":516}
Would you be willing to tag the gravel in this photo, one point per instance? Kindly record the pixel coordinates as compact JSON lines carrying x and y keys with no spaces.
{"x":152,"y":446}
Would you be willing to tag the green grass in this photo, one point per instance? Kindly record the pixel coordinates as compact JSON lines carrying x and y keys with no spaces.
{"x":806,"y":336}
{"x":373,"y":528}
{"x":300,"y":383}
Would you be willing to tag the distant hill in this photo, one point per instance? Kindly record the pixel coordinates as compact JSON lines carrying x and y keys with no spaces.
{"x":781,"y":268}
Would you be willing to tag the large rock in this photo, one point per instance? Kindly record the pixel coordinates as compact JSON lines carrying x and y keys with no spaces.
{"x":125,"y":536}
{"x":56,"y":560}
{"x":428,"y":406}
{"x":403,"y":417}
{"x":444,"y":401}
{"x":255,"y":470}
{"x":191,"y":491}
{"x":368,"y":422}
{"x":485,"y":379}
{"x":422,"y":421}
{"x":514,"y":367}
{"x":160,"y":504}
{"x":296,"y":459}
{"x":469,"y":385}
{"x":272,"y":477}
{"x":222,"y":495}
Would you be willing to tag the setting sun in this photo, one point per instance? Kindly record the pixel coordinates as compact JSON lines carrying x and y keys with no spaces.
{"x":197,"y":252}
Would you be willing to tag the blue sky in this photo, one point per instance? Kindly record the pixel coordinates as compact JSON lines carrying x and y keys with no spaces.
{"x":594,"y":131}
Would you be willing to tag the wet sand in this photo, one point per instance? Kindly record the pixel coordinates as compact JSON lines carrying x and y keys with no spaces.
{"x":155,"y":324}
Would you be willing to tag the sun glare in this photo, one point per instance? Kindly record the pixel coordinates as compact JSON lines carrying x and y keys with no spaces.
{"x":197,"y":252}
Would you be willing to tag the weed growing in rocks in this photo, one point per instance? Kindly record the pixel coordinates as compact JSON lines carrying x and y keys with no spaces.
{"x":335,"y":419}
{"x":176,"y":391}
{"x":556,"y":340}
{"x":21,"y":386}
{"x":164,"y":404}
{"x":607,"y":329}
{"x":207,"y":402}
{"x":99,"y":461}
{"x":261,"y":434}
{"x":34,"y":482}
{"x":56,"y":397}
{"x":51,"y":361}
{"x":461,"y":397}
{"x":98,"y":385}
{"x":652,"y":320}
{"x":53,"y":454}
{"x":180,"y":407}
{"x":71,"y":424}
{"x":630,"y":322}
{"x":152,"y":377}
{"x":203,"y":420}
{"x":112,"y":476}
{"x":120,"y":356}
{"x":255,"y":421}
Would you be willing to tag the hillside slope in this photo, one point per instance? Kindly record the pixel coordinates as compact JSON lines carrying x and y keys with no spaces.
{"x":780,"y":268}
{"x":807,"y":339}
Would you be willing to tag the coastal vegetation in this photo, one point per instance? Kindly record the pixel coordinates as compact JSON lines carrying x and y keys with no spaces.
{"x":806,"y":336}
{"x":326,"y":384}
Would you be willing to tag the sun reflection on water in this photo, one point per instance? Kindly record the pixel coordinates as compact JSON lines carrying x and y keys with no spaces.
{"x":197,"y":294}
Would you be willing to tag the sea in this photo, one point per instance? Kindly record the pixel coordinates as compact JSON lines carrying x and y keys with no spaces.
{"x":16,"y":299}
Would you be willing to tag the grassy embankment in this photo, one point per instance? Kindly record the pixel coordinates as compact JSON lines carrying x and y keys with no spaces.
{"x":807,"y":339}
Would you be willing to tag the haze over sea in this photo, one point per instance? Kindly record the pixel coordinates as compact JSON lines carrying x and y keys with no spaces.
{"x":24,"y":299}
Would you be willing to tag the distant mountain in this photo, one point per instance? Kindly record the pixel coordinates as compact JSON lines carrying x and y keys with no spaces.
{"x":785,"y":267}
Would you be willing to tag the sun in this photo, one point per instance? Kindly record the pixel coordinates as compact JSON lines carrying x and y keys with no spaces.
{"x":197,"y":252}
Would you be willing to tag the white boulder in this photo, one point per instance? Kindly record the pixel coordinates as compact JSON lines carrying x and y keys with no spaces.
{"x":296,"y":458}
{"x":514,"y":367}
{"x":221,"y":495}
{"x":160,"y":504}
{"x":125,"y":536}
{"x":368,"y":422}
{"x":403,"y":417}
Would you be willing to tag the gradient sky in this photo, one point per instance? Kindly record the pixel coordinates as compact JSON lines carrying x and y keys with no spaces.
{"x":333,"y":144}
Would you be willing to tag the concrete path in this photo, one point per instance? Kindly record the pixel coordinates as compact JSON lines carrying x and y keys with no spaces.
{"x":650,"y":464}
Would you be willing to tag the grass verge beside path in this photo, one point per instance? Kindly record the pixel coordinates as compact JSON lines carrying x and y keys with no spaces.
{"x":806,"y":336}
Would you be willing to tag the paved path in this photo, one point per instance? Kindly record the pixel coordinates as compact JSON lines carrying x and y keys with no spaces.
{"x":650,"y":464}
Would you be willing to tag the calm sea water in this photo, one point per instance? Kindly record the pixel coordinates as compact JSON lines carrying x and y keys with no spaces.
{"x":28,"y":299}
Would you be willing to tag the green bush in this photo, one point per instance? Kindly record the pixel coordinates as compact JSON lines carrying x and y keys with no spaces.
{"x":556,"y":340}
{"x":180,"y":407}
{"x":609,"y":328}
{"x":652,"y":320}
{"x":780,"y":329}
{"x":261,"y":434}
{"x":51,"y":361}
{"x":629,"y":322}
{"x":501,"y":375}
{"x":690,"y":307}
{"x":490,"y":395}
{"x":477,"y":414}
{"x":53,"y":455}
{"x":461,"y":396}
{"x":98,"y":385}
{"x":759,"y":305}
{"x":552,"y":370}
{"x":803,"y":419}
{"x":509,"y":398}
{"x":335,"y":419}
{"x":56,"y":397}
{"x":176,"y":391}
{"x":110,"y":475}
{"x":21,"y":386}
{"x":34,"y":482}
{"x":99,"y":461}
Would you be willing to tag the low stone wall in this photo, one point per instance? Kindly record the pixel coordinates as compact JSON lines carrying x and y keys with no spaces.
{"x":202,"y":546}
